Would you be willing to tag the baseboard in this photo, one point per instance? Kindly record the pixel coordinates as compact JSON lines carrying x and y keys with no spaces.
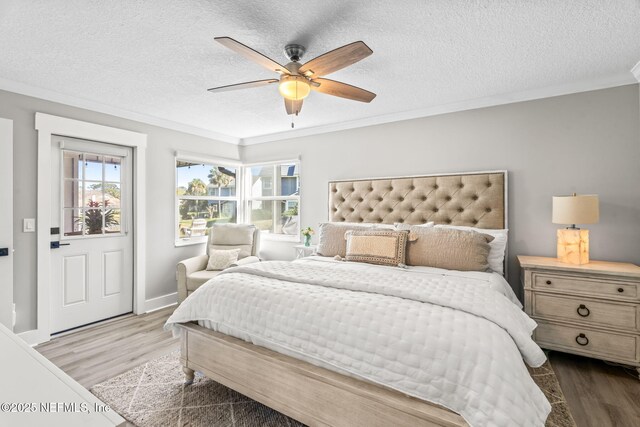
{"x":163,"y":301}
{"x":33,"y":337}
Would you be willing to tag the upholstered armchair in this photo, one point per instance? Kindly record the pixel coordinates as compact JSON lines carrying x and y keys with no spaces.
{"x":192,"y":273}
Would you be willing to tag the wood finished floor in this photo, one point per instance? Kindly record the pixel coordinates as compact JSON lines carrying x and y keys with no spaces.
{"x":97,"y":353}
{"x":598,"y":395}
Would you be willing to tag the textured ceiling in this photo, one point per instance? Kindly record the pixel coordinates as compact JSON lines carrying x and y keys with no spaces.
{"x":158,"y":57}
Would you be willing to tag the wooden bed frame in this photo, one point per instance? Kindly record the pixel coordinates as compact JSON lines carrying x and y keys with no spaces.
{"x":316,"y":396}
{"x":312,"y":395}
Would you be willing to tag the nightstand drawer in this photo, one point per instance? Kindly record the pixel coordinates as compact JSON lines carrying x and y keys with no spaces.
{"x":587,"y":341}
{"x":599,"y":313}
{"x":591,"y":287}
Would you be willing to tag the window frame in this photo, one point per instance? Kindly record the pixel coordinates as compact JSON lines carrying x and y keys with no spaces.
{"x":247,"y":198}
{"x":215,"y":161}
{"x":88,"y":147}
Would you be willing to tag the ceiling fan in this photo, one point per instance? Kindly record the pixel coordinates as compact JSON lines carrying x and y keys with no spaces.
{"x":298,"y":80}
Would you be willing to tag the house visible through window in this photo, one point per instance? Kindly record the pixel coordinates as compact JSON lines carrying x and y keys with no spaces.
{"x":206,"y":195}
{"x":273,"y":198}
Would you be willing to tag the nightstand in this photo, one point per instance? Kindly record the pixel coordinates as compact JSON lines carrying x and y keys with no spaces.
{"x":591,"y":309}
{"x":304,"y":251}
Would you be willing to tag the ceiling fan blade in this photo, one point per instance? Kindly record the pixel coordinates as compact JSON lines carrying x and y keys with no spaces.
{"x":245,"y":85}
{"x":343,"y":90}
{"x":251,"y":54}
{"x":293,"y":107}
{"x":336,"y":59}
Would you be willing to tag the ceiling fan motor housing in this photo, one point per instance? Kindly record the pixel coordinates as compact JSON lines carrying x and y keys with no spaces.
{"x":294,"y":52}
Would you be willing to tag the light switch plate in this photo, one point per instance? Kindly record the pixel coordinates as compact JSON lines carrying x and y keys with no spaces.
{"x":29,"y":225}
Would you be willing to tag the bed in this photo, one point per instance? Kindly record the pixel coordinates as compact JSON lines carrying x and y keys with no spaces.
{"x":352,"y":344}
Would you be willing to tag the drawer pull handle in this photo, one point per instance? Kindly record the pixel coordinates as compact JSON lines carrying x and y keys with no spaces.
{"x":582,"y":339}
{"x":583,"y":311}
{"x":548,"y":282}
{"x":621,"y":290}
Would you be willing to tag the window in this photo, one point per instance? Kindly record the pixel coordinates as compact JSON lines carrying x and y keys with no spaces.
{"x":273,"y":198}
{"x":215,"y":191}
{"x":92,"y":200}
{"x":205,"y":195}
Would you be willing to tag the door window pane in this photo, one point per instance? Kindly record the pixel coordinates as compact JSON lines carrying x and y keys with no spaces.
{"x":112,"y":195}
{"x":112,"y":221}
{"x":93,"y":195}
{"x":93,"y":167}
{"x":93,"y":221}
{"x":112,"y":169}
{"x":72,"y":194}
{"x":72,"y":222}
{"x":72,"y":164}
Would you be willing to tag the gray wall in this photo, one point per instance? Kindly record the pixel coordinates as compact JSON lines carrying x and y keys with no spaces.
{"x":162,"y":256}
{"x":588,"y":143}
{"x":585,"y":143}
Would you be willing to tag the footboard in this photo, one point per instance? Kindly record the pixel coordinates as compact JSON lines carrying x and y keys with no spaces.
{"x":312,"y":395}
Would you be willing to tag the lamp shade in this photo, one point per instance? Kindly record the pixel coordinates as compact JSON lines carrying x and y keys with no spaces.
{"x":294,"y":88}
{"x":574,"y":209}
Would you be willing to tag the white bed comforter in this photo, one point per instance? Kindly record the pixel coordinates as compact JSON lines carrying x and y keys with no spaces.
{"x":452,"y":338}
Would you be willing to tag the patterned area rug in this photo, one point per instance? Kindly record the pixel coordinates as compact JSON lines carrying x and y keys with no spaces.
{"x":546,"y":379}
{"x":153,"y":395}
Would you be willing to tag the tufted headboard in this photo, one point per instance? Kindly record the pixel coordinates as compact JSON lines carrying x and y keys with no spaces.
{"x":476,"y":199}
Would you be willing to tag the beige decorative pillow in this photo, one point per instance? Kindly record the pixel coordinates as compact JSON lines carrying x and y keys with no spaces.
{"x":331,"y":240}
{"x":448,"y":248}
{"x":383,"y":247}
{"x":220,"y":259}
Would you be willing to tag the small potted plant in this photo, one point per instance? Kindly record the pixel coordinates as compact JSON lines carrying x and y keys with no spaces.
{"x":307,"y":233}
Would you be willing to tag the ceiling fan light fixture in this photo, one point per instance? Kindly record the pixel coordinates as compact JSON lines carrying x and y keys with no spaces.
{"x":294,"y":88}
{"x":296,"y":79}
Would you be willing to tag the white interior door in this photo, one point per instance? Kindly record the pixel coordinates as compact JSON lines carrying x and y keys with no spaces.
{"x":92,"y":268}
{"x":6,"y":224}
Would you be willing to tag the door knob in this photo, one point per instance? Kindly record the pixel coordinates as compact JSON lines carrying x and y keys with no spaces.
{"x":56,"y":245}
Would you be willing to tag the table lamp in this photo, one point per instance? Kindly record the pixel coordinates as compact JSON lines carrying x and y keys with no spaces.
{"x":573,"y":242}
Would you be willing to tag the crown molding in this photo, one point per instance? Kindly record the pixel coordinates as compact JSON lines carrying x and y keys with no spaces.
{"x":73,"y":101}
{"x":636,"y":71}
{"x":508,"y":98}
{"x":565,"y":89}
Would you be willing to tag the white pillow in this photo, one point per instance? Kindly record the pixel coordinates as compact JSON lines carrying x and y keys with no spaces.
{"x":403,"y":226}
{"x":497,"y":247}
{"x":219,"y":259}
{"x":361,"y":224}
